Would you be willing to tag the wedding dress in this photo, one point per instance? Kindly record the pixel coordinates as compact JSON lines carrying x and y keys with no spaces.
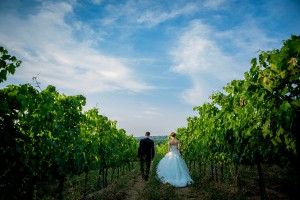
{"x":172,"y":169}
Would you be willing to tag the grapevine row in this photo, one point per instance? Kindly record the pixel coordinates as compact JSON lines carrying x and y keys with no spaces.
{"x":256,"y":120}
{"x":46,"y":135}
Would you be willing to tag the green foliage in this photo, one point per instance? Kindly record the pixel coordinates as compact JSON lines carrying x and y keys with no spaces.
{"x":162,"y":149}
{"x":8,"y":64}
{"x":45,"y":135}
{"x":256,"y":120}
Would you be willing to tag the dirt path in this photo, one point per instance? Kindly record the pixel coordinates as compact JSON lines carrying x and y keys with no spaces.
{"x":135,"y":187}
{"x":186,"y":193}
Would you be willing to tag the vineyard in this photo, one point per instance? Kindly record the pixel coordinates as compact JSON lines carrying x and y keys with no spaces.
{"x":46,"y":136}
{"x":255,"y":121}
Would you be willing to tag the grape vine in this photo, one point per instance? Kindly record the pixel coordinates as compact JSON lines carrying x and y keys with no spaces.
{"x":256,"y":120}
{"x":46,"y":135}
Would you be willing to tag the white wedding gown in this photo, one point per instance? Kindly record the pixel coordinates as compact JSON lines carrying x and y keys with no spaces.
{"x":172,"y":169}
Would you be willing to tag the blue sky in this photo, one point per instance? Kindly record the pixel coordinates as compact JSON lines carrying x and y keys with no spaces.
{"x":143,"y":63}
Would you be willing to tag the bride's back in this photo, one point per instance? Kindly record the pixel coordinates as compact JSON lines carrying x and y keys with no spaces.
{"x":174,"y":142}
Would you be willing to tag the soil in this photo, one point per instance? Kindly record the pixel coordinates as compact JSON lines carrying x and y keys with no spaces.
{"x":136,"y":186}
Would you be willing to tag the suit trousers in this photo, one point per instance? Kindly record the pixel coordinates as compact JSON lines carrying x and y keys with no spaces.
{"x":144,"y":160}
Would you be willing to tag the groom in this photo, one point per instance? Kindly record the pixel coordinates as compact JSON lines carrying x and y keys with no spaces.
{"x":146,"y":154}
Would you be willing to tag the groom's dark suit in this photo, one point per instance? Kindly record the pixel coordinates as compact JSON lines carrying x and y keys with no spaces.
{"x":146,"y":154}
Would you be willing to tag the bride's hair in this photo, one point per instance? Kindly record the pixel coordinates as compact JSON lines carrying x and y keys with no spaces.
{"x":173,"y":134}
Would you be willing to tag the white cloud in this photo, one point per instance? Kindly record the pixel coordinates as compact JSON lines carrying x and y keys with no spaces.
{"x":213,"y":4}
{"x":154,"y":17}
{"x":145,"y":13}
{"x":97,"y":2}
{"x":151,"y":112}
{"x":198,"y":53}
{"x":201,"y":59}
{"x":198,"y":94}
{"x":61,"y":59}
{"x":212,"y":58}
{"x":159,"y":121}
{"x":248,"y":38}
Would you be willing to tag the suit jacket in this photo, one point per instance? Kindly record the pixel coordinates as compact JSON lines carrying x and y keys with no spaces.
{"x":146,"y":148}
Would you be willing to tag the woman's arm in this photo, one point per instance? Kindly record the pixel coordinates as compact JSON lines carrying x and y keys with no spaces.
{"x":178,"y":146}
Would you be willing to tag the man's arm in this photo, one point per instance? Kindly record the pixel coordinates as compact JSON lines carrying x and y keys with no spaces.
{"x":152,"y":150}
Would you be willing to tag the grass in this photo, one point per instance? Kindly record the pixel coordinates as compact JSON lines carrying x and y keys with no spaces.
{"x":74,"y":187}
{"x":279,"y":182}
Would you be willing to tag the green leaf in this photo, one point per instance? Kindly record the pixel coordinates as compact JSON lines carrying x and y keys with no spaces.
{"x":285,"y":106}
{"x":3,"y":75}
{"x":284,"y":91}
{"x":11,"y":69}
{"x":296,"y":102}
{"x":2,"y":64}
{"x":262,"y":96}
{"x":280,"y":132}
{"x":5,"y":57}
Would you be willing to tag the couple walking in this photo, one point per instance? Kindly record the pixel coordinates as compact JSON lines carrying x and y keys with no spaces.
{"x":171,"y":168}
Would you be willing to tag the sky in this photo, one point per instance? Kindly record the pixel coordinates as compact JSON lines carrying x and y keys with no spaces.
{"x":144,"y":63}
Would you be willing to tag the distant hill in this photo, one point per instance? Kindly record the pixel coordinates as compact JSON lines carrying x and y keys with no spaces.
{"x":152,"y":137}
{"x":157,"y":139}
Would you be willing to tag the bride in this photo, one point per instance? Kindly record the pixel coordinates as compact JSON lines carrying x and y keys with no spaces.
{"x":172,"y":168}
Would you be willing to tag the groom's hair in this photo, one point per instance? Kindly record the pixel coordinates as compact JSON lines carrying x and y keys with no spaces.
{"x":147,"y":133}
